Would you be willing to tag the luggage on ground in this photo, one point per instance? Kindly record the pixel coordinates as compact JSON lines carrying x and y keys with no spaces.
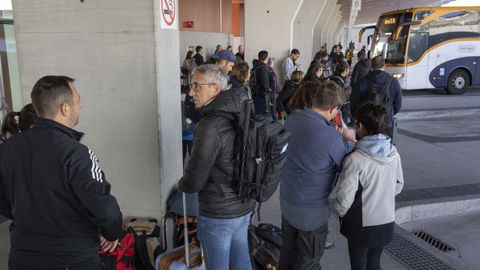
{"x":265,"y":243}
{"x":123,"y":257}
{"x":175,"y":213}
{"x":176,"y":259}
{"x":147,"y":243}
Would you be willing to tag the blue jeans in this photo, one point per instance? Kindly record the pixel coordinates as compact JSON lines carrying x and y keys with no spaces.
{"x":224,"y":242}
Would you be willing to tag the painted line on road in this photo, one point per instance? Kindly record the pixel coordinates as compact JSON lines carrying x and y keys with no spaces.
{"x":434,"y":139}
{"x":433,"y":114}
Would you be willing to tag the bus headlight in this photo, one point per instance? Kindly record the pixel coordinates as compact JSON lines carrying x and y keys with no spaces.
{"x":397,"y":75}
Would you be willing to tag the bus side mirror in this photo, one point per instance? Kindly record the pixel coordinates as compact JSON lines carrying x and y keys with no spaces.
{"x":360,"y":33}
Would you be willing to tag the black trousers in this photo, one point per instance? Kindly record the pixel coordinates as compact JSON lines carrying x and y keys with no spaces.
{"x":88,"y":266}
{"x":362,"y":258}
{"x":302,"y":250}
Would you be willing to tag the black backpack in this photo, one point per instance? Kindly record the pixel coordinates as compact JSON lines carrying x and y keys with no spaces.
{"x":265,"y":243}
{"x":253,"y":83}
{"x":378,"y":94}
{"x":147,"y":242}
{"x":260,"y":153}
{"x":329,"y":68}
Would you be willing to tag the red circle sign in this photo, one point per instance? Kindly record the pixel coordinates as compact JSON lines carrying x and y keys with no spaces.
{"x":168,"y":11}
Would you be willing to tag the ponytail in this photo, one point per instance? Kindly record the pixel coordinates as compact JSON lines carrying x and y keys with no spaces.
{"x":10,"y":125}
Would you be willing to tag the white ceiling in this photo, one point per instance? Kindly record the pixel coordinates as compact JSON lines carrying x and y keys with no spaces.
{"x":371,"y":9}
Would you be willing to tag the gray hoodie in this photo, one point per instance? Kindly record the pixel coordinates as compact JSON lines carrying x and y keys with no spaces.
{"x":375,"y":165}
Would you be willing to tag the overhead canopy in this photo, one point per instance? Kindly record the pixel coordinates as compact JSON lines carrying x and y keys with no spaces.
{"x":371,"y":9}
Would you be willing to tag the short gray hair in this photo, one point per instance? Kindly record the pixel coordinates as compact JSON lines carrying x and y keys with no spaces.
{"x":213,"y":74}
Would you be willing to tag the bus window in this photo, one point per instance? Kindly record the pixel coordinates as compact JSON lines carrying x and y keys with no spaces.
{"x":459,"y":24}
{"x":418,"y":43}
{"x":386,"y":43}
{"x":420,"y":15}
{"x":394,"y":50}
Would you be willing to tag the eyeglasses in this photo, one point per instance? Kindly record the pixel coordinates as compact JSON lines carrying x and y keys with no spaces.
{"x":196,"y":86}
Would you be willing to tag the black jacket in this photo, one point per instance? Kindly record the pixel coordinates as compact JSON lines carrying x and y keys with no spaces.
{"x":378,"y":77}
{"x":285,"y":96}
{"x":212,"y":157}
{"x":262,"y":76}
{"x":360,"y":71}
{"x":53,"y":189}
{"x":198,"y":59}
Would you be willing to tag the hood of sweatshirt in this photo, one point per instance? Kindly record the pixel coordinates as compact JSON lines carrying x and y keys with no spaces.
{"x":378,"y":147}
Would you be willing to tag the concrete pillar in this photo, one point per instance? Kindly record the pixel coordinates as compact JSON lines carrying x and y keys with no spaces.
{"x":339,"y":33}
{"x":332,"y":29}
{"x":168,"y":106}
{"x":303,"y":29}
{"x":320,"y":24}
{"x":127,"y":73}
{"x":327,"y":25}
{"x":269,"y":26}
{"x":334,"y":26}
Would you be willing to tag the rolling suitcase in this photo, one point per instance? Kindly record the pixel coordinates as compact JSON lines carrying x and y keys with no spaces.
{"x":175,"y":259}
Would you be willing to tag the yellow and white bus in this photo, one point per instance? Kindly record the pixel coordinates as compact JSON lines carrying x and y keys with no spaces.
{"x":431,"y":47}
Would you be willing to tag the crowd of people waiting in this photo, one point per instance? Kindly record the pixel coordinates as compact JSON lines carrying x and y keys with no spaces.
{"x":340,"y":142}
{"x":341,"y":138}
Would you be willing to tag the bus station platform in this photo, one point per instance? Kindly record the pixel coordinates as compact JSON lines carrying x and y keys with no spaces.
{"x":441,"y":196}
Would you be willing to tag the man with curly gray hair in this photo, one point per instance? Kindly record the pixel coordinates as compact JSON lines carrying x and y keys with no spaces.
{"x":223,"y":217}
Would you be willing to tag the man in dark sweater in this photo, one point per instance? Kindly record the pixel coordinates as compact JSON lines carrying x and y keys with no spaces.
{"x":53,"y":189}
{"x":378,"y":77}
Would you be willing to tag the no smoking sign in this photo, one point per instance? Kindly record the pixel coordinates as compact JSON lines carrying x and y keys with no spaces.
{"x":169,"y":11}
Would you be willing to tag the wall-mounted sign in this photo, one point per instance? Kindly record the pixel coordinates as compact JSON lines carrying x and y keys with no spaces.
{"x":169,"y":12}
{"x":188,"y":24}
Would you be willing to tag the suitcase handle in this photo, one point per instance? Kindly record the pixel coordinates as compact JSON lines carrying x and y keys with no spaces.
{"x":185,"y":231}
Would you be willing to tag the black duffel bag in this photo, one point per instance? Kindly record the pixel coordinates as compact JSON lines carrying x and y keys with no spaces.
{"x":265,"y":242}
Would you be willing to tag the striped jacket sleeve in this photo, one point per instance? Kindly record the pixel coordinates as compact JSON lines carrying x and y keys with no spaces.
{"x":88,"y":183}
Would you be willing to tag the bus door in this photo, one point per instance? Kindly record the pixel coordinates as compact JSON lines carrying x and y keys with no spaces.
{"x":417,"y":58}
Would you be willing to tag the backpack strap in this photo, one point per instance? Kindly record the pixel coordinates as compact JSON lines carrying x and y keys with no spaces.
{"x":387,"y":84}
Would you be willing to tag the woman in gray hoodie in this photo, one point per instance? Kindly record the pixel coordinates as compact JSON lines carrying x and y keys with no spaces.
{"x":371,"y":178}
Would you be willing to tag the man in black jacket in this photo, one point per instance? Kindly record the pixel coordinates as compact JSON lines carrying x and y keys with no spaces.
{"x":262,"y":93}
{"x":379,"y":78}
{"x":53,"y":189}
{"x":223,"y":217}
{"x":198,"y":56}
{"x":361,"y":69}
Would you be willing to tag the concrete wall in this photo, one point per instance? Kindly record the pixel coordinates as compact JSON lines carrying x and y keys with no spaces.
{"x":303,"y":26}
{"x":322,"y":23}
{"x":208,"y":41}
{"x":109,"y":48}
{"x":269,"y":26}
{"x":332,"y":25}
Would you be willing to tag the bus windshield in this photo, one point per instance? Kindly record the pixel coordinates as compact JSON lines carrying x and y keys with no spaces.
{"x":393,"y":50}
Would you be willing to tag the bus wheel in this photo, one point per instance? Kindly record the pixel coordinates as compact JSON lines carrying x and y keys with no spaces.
{"x":458,"y":82}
